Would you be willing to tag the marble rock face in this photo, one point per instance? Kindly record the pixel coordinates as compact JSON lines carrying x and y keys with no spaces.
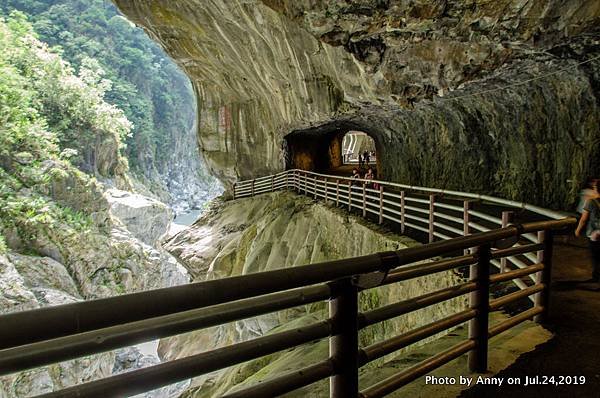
{"x":281,"y":230}
{"x":117,"y":252}
{"x":29,"y":282}
{"x":427,"y":79}
{"x":144,"y":217}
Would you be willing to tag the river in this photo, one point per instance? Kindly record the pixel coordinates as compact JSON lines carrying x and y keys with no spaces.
{"x":187,"y":218}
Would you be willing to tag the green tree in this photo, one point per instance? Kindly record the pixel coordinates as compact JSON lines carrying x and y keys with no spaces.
{"x":154,"y":95}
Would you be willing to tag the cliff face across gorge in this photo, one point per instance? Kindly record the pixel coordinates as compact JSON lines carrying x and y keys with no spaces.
{"x":427,"y":79}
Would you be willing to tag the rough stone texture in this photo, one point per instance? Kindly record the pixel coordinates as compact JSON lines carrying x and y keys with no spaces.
{"x":29,"y":282}
{"x":181,"y":179}
{"x":396,"y":69}
{"x":15,"y":294}
{"x":185,"y":175}
{"x":98,"y":266}
{"x":146,"y":218}
{"x":46,"y":278}
{"x":279,"y":230}
{"x":132,"y":358}
{"x":258,"y":73}
{"x":103,"y":259}
{"x":72,"y":188}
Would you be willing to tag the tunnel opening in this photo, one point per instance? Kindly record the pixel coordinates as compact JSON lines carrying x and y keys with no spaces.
{"x":358,"y":148}
{"x":333,"y":149}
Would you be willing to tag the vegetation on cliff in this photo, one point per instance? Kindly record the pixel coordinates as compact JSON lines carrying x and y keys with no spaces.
{"x":154,"y":95}
{"x":51,"y":120}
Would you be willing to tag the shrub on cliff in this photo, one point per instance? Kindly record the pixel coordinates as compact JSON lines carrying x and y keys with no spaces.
{"x":51,"y":120}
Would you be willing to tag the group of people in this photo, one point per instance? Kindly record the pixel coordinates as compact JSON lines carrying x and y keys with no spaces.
{"x":363,"y":158}
{"x":369,"y":175}
{"x":589,"y":207}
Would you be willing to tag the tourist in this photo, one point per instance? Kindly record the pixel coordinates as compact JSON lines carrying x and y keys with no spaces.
{"x":366,"y":157}
{"x":589,"y":191}
{"x":360,"y":161}
{"x":355,"y":175}
{"x":369,"y":176}
{"x":590,"y":219}
{"x":347,"y":156}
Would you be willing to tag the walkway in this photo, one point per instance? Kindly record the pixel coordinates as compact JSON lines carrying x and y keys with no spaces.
{"x":575,"y":307}
{"x":575,"y":349}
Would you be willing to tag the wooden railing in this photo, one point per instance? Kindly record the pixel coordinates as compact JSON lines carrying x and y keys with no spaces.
{"x":44,"y":336}
{"x":436,"y":213}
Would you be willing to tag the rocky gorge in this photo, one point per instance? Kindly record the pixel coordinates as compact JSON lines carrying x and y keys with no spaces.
{"x":498,"y":97}
{"x":119,"y":252}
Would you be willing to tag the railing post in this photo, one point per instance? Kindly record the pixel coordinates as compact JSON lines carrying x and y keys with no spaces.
{"x":287,"y":180}
{"x":431,"y":217}
{"x":296,"y":181}
{"x":467,"y":205}
{"x":326,"y":186}
{"x":479,"y":300}
{"x":315,"y":180}
{"x":234,"y":191}
{"x":272,"y":183}
{"x":305,"y":184}
{"x":292,"y":176}
{"x":402,"y":210}
{"x":337,"y":192}
{"x":542,"y":299}
{"x":380,"y":204}
{"x":364,"y":199}
{"x":350,"y":196}
{"x":343,"y":345}
{"x":252,"y":189}
{"x":507,"y":218}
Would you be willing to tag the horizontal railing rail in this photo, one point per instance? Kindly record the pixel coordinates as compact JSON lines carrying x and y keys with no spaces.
{"x":86,"y":328}
{"x":438,"y":213}
{"x":299,"y":174}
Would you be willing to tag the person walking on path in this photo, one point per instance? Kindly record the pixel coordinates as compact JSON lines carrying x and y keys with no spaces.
{"x":590,"y":219}
{"x":355,"y":175}
{"x":369,"y":176}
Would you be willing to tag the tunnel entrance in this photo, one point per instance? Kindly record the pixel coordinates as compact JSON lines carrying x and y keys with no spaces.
{"x":358,"y":148}
{"x":333,"y":150}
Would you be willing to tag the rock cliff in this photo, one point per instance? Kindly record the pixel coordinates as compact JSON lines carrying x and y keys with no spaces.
{"x":427,"y":79}
{"x":281,"y":230}
{"x":115,"y":251}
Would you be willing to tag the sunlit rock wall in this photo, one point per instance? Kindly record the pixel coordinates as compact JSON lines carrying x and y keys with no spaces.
{"x":105,"y":256}
{"x":280,"y":230}
{"x":262,"y":69}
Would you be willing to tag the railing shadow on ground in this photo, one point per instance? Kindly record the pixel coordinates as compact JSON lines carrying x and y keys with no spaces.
{"x":74,"y":330}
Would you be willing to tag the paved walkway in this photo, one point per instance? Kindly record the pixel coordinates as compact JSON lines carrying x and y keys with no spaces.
{"x":575,"y":349}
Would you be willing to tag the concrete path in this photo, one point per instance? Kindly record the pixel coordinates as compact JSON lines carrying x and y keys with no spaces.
{"x":575,"y":349}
